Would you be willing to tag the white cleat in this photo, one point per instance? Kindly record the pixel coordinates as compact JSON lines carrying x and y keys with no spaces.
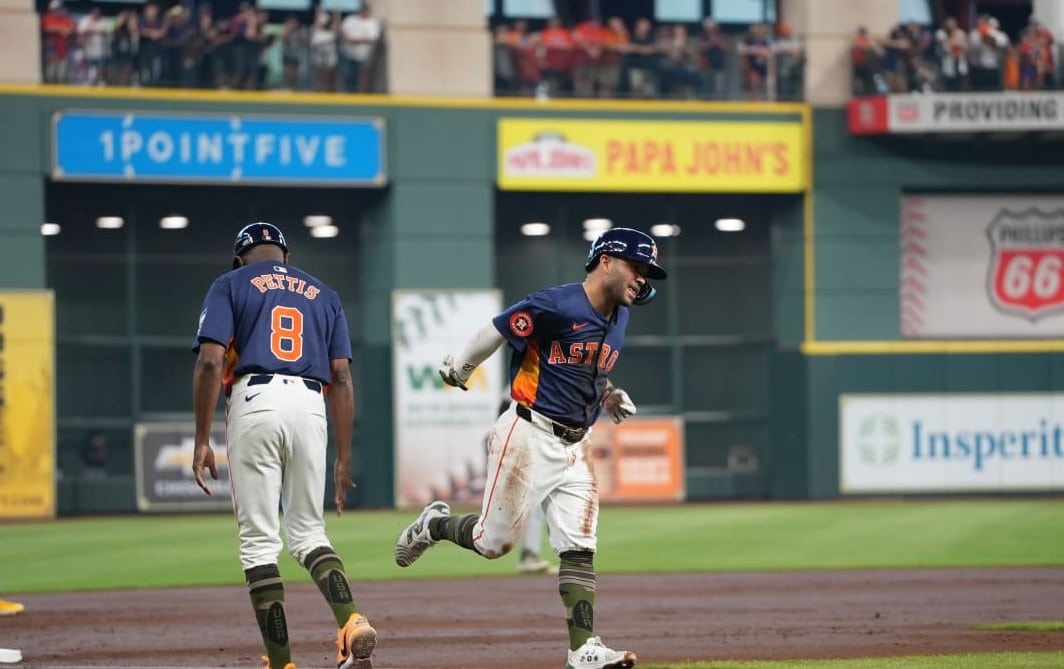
{"x":594,"y":655}
{"x":415,"y":539}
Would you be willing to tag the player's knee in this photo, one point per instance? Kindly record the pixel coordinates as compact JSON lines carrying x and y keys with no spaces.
{"x":494,"y":550}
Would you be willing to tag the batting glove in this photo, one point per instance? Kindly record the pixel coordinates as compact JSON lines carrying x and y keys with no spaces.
{"x":618,"y":405}
{"x":453,"y":377}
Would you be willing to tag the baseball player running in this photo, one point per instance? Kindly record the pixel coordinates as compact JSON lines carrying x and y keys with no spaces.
{"x":565,"y":341}
{"x":276,"y":339}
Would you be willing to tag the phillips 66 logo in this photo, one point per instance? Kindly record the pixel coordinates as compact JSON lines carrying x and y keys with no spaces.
{"x":1026,"y":274}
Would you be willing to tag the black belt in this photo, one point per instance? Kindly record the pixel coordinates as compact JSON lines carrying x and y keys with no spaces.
{"x":564,"y":432}
{"x":261,"y":379}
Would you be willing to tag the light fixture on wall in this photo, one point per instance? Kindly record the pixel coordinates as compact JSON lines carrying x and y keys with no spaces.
{"x":535,"y":229}
{"x":173,"y":222}
{"x":110,"y":222}
{"x":597,"y":225}
{"x":317,"y":220}
{"x":49,"y":229}
{"x":324,"y":231}
{"x":665,"y":230}
{"x":730,"y":224}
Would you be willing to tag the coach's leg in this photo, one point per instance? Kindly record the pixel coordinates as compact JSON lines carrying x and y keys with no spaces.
{"x":267,"y":599}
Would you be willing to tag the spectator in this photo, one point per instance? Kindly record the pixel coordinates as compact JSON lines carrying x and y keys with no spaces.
{"x":94,"y":37}
{"x":641,"y":61}
{"x":244,"y":34}
{"x":1046,"y":59}
{"x":790,"y":63}
{"x":359,"y":34}
{"x":589,"y":59}
{"x":989,"y":47}
{"x":713,"y":46}
{"x":615,"y":43}
{"x":755,"y":51}
{"x":556,"y":56}
{"x":951,"y":43}
{"x":324,"y":53}
{"x":677,"y":62}
{"x":504,"y":61}
{"x":58,"y":29}
{"x":124,"y":39}
{"x":152,"y":33}
{"x":209,"y":51}
{"x":295,"y":42}
{"x":896,"y":58}
{"x":94,"y":454}
{"x":867,"y":58}
{"x":178,"y":34}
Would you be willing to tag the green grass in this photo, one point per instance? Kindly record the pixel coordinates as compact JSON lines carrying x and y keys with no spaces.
{"x":966,"y":661}
{"x":164,"y":550}
{"x":1029,"y":626}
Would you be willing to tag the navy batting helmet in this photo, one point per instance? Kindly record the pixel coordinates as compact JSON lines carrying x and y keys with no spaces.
{"x":629,"y":244}
{"x":255,"y":234}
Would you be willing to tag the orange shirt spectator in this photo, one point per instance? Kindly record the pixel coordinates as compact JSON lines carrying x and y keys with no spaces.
{"x":615,"y":40}
{"x":58,"y":29}
{"x":589,"y":40}
{"x":557,"y":44}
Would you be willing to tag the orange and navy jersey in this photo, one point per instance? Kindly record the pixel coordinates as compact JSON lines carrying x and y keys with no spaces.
{"x":275,"y":319}
{"x":563,"y":351}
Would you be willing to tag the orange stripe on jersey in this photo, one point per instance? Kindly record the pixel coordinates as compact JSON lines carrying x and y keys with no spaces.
{"x":229,"y":363}
{"x":526,"y":381}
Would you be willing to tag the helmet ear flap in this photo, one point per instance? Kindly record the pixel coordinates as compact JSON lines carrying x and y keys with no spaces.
{"x":646,"y":294}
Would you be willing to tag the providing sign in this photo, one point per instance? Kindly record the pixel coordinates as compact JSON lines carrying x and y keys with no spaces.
{"x":218,"y":148}
{"x":951,"y":443}
{"x":441,"y":432}
{"x":162,"y":455}
{"x":651,"y":156}
{"x":639,"y":460}
{"x":956,"y":112}
{"x":982,"y":266}
{"x":27,"y":404}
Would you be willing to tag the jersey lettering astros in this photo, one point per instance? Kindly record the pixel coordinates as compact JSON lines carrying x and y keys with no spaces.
{"x":563,"y":351}
{"x":271,"y":317}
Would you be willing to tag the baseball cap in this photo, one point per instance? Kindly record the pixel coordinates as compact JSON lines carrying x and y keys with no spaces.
{"x":255,"y":234}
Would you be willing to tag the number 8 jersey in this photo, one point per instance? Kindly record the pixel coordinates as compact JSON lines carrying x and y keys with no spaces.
{"x":271,"y":316}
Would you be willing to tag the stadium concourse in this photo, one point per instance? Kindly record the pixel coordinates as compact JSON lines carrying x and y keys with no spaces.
{"x":665,"y":618}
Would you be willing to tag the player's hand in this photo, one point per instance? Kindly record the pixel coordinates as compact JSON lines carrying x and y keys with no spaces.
{"x":451,"y":376}
{"x":342,"y":481}
{"x":203,"y":459}
{"x":618,"y":405}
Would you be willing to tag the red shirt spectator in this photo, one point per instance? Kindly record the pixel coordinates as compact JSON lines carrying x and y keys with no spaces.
{"x":57,"y":27}
{"x":557,"y":45}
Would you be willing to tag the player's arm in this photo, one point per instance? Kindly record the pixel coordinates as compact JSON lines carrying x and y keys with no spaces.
{"x":206,"y":384}
{"x":456,"y":369}
{"x":617,"y":403}
{"x":341,"y":401}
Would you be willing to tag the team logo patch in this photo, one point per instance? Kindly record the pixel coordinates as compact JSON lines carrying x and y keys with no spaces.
{"x":521,"y":324}
{"x":1026,"y":272}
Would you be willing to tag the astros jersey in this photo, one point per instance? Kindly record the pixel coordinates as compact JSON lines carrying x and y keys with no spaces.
{"x":563,"y":352}
{"x":270,"y":317}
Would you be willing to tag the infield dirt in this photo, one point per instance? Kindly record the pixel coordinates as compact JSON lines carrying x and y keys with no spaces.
{"x":517,"y":621}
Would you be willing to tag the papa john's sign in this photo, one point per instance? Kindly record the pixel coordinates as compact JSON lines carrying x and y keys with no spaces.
{"x":652,"y":156}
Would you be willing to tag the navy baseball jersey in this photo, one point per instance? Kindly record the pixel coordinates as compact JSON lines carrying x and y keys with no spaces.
{"x":271,"y":316}
{"x":563,"y":352}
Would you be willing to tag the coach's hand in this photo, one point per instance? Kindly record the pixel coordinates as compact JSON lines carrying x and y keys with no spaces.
{"x":453,"y":377}
{"x":618,"y":405}
{"x":203,"y":459}
{"x":342,"y":482}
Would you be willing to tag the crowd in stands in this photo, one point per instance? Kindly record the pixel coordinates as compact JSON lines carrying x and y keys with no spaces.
{"x":913,"y":58}
{"x":608,"y":59}
{"x":186,"y":46}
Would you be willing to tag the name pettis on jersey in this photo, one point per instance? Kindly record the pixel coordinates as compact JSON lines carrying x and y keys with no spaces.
{"x":292,"y":284}
{"x":583,"y":353}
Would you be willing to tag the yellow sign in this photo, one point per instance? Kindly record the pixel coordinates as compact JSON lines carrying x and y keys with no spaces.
{"x":651,"y":156}
{"x":27,"y":404}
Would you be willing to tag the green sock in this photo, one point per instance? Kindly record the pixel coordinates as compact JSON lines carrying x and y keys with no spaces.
{"x":576,"y":584}
{"x":327,"y":571}
{"x":456,"y":529}
{"x":267,"y":599}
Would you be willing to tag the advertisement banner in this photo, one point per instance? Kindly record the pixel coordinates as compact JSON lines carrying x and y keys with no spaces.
{"x":956,"y":112}
{"x":27,"y":404}
{"x":218,"y":148}
{"x":651,"y":156}
{"x":162,"y":454}
{"x":981,"y":266}
{"x":942,"y":443}
{"x":441,"y":432}
{"x":640,"y":460}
